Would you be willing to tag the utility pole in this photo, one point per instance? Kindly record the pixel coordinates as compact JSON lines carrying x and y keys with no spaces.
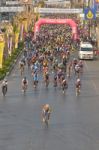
{"x":89,"y":20}
{"x":71,"y":3}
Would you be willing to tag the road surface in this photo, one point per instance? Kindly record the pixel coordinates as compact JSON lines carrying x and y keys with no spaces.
{"x":74,"y":123}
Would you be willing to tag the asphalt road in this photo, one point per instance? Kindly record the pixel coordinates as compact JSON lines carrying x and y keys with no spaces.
{"x":74,"y":123}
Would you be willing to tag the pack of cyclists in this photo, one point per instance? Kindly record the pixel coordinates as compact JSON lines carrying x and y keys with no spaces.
{"x":51,"y":58}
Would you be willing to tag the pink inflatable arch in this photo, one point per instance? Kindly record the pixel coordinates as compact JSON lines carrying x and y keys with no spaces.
{"x":69,"y":22}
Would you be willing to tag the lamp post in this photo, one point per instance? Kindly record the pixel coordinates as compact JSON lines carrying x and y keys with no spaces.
{"x":71,"y":3}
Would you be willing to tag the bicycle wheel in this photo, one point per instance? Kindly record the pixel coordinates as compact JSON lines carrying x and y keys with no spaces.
{"x":4,"y":91}
{"x":46,"y":121}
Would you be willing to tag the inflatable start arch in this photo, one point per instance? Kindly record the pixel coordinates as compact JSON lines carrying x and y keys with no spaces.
{"x":69,"y":22}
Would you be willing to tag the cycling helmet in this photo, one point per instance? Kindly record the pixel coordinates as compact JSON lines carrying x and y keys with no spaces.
{"x":23,"y":57}
{"x":80,"y":61}
{"x":5,"y":80}
{"x":46,"y":105}
{"x":78,"y":80}
{"x":74,"y":58}
{"x":56,"y":61}
{"x":24,"y":78}
{"x":3,"y":83}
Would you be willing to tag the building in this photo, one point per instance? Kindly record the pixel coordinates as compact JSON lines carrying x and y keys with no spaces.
{"x":77,"y":3}
{"x":58,"y":3}
{"x":8,"y":8}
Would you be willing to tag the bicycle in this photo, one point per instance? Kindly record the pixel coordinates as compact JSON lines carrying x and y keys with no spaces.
{"x":24,"y":88}
{"x":78,"y":90}
{"x":4,"y":90}
{"x":46,"y":118}
{"x":35,"y":84}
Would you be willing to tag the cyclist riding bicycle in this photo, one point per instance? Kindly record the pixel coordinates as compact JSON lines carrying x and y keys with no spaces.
{"x":77,"y":70}
{"x":24,"y":84}
{"x":75,"y":61}
{"x":4,"y":86}
{"x":46,"y":79}
{"x":35,"y":79}
{"x":46,"y":111}
{"x":55,"y":80}
{"x":21,"y":66}
{"x":80,"y":63}
{"x":78,"y":86}
{"x":64,"y":84}
{"x":23,"y":60}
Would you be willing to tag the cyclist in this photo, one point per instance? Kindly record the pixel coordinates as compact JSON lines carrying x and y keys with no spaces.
{"x":59,"y":74}
{"x":77,"y":70}
{"x":24,"y":84}
{"x":4,"y":86}
{"x":35,"y":79}
{"x":46,"y":79}
{"x":64,"y":84}
{"x":68,"y":54}
{"x":34,"y":68}
{"x":55,"y":65}
{"x":80,"y":63}
{"x":23,"y":60}
{"x":45,"y":69}
{"x":45,"y":63}
{"x":69,"y":69}
{"x":55,"y":80}
{"x":78,"y":86}
{"x":75,"y":61}
{"x":64,"y":60}
{"x":21,"y":66}
{"x":46,"y":111}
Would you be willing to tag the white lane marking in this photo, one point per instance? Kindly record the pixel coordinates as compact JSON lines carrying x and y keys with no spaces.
{"x":93,"y":83}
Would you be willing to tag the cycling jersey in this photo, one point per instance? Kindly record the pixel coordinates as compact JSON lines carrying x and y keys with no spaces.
{"x":24,"y":81}
{"x":35,"y":68}
{"x":21,"y":64}
{"x":75,"y":62}
{"x":64,"y":82}
{"x":35,"y":77}
{"x":64,"y":61}
{"x":55,"y":77}
{"x":4,"y":84}
{"x":77,"y":68}
{"x":78,"y":84}
{"x":60,"y":74}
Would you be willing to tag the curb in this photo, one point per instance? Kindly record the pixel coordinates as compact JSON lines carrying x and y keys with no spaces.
{"x":12,"y":66}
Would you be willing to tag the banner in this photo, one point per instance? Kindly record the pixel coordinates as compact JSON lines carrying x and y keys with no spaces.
{"x":58,"y":10}
{"x":16,"y":39}
{"x":10,"y":45}
{"x":69,"y":22}
{"x":1,"y":53}
{"x":21,"y":31}
{"x":89,"y":14}
{"x":2,"y":44}
{"x":25,"y":25}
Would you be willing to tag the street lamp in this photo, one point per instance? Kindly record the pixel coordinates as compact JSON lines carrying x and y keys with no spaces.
{"x":71,"y":3}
